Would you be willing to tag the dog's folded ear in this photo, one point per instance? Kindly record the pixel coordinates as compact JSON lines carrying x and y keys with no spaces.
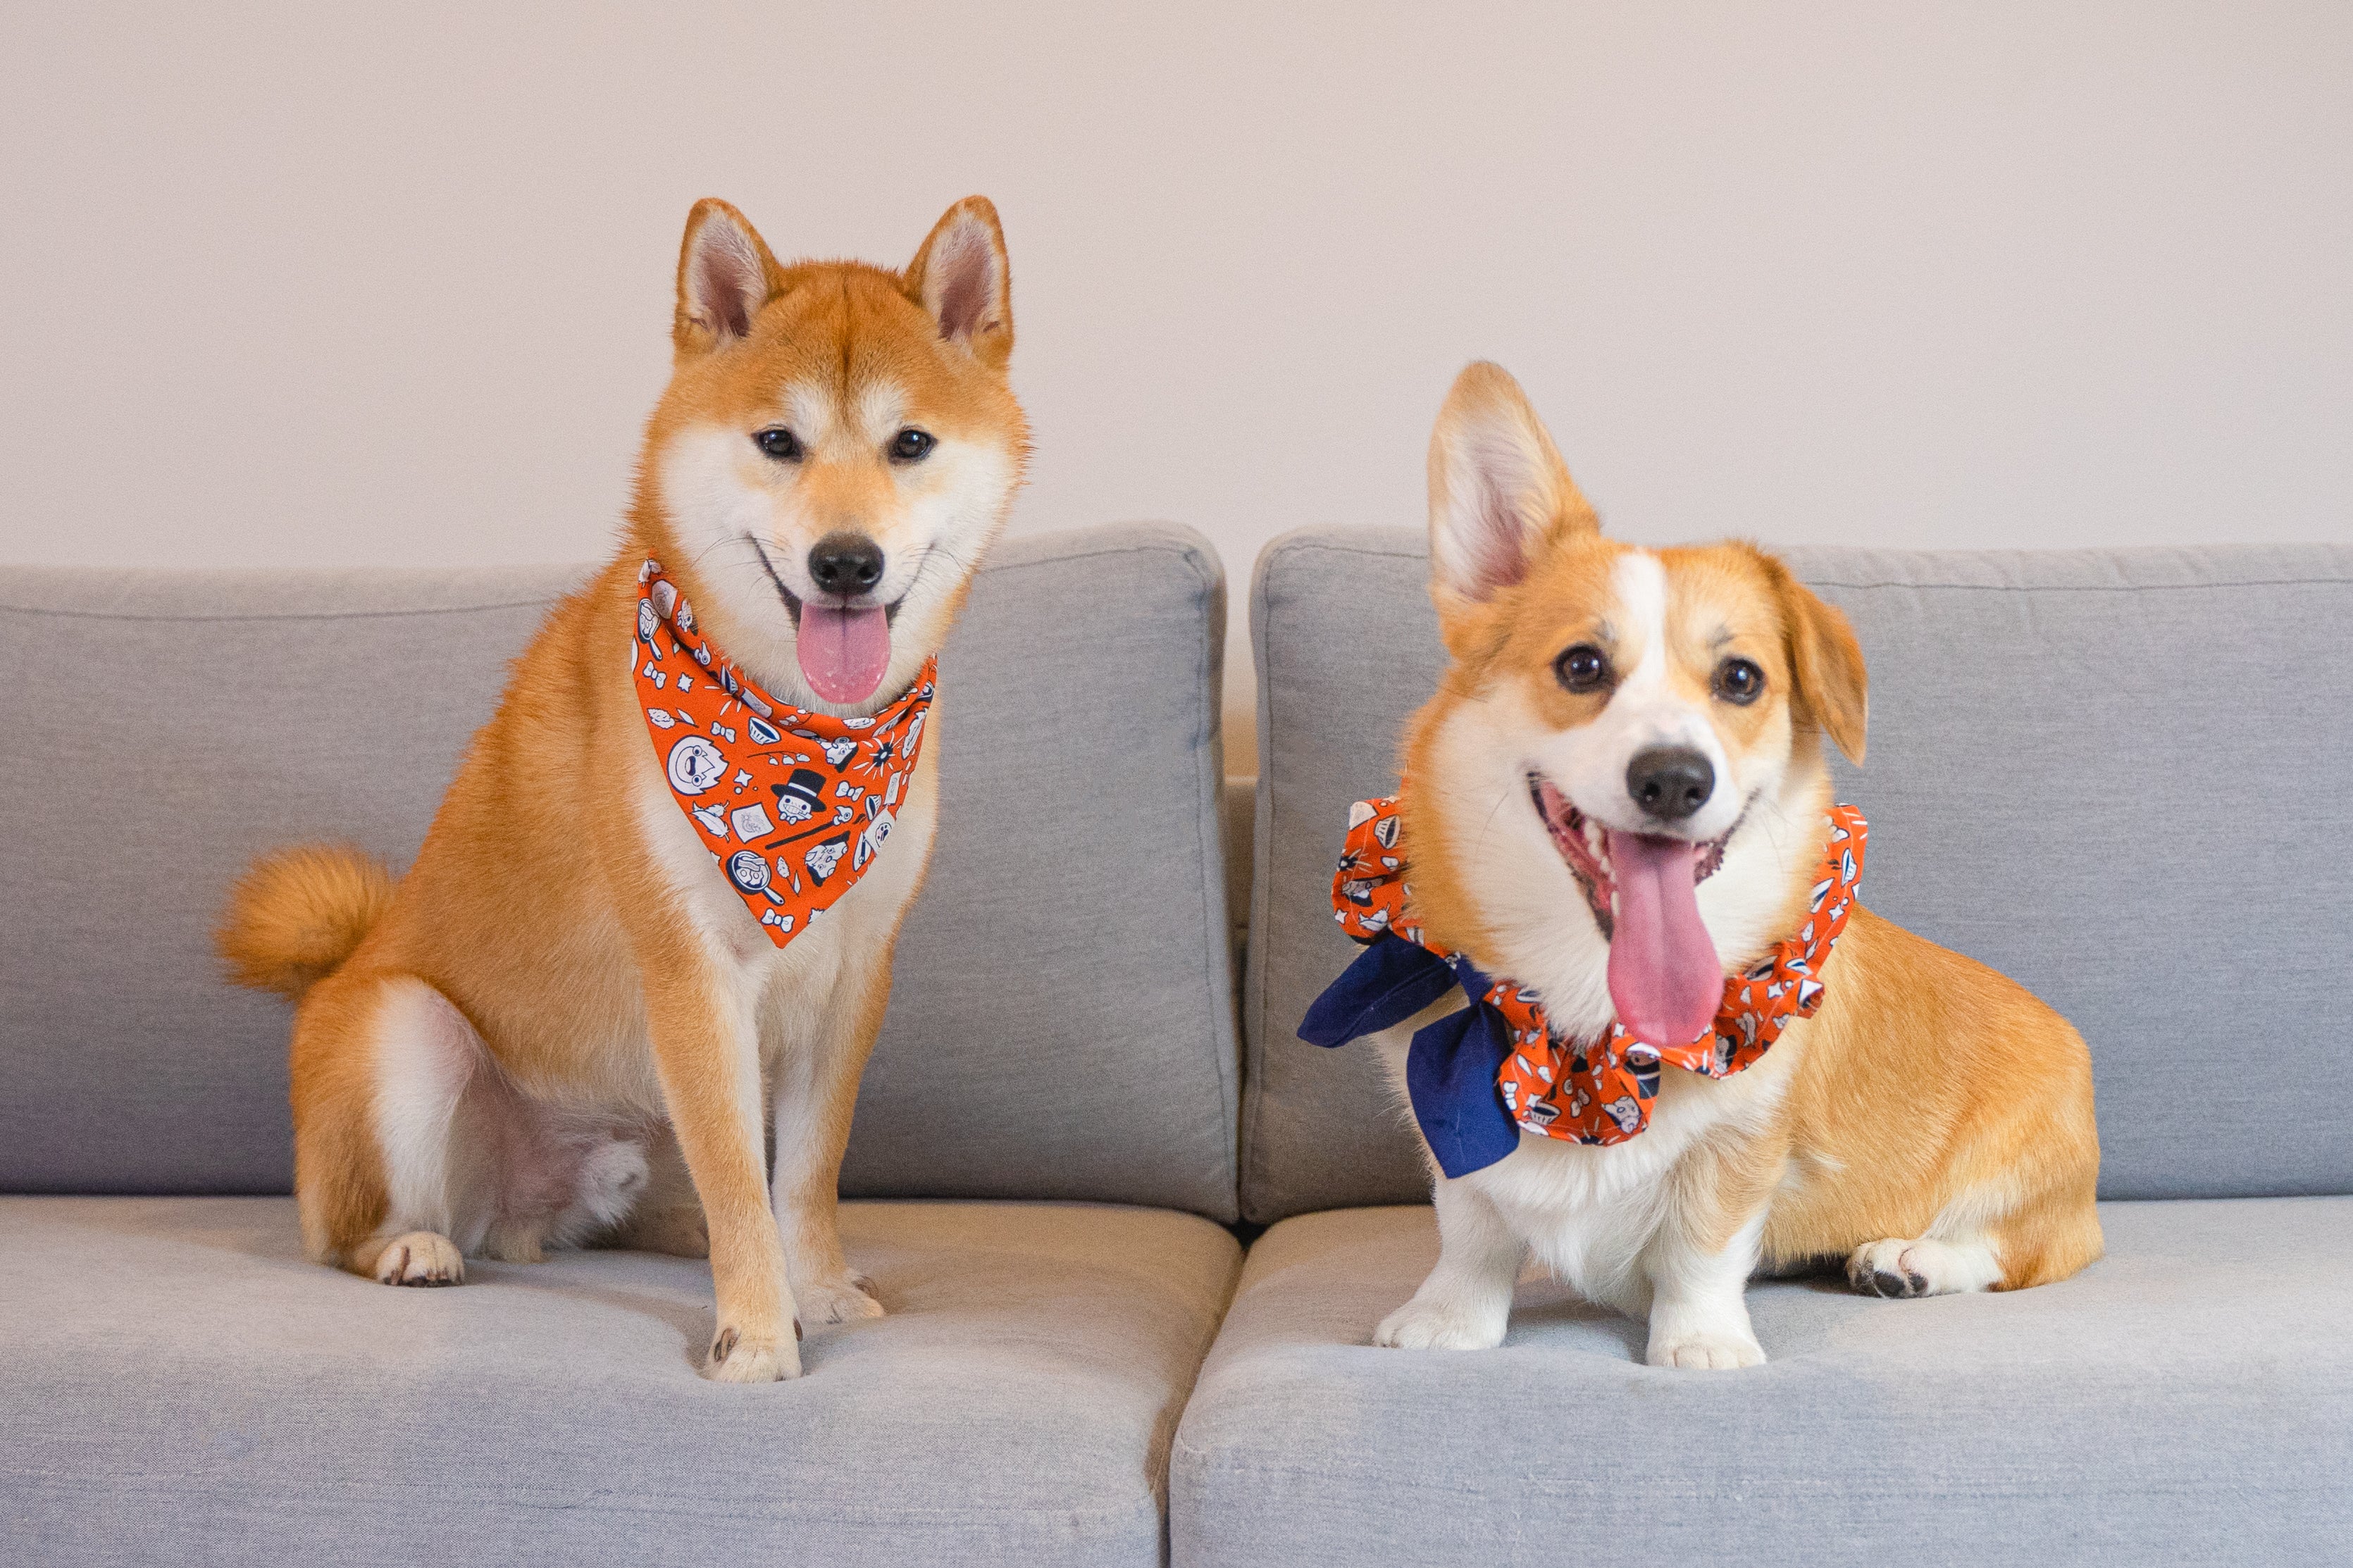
{"x":1498,"y":489}
{"x":1834,"y":690}
{"x":725,"y":275}
{"x":961,"y":277}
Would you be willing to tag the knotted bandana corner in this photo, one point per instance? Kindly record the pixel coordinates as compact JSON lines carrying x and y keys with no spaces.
{"x":793,"y":806}
{"x":1480,"y":1076}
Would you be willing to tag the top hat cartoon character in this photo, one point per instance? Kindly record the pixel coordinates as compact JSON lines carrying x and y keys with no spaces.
{"x":801,"y":796}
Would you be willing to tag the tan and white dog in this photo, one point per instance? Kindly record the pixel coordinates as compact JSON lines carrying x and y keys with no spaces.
{"x":512,"y":1047}
{"x":1614,"y":719}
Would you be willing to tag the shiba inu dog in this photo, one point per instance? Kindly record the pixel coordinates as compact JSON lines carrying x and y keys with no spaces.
{"x":1619,"y":800}
{"x":569,"y":1020}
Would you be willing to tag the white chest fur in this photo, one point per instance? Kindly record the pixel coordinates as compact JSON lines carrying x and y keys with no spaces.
{"x":1589,"y":1214}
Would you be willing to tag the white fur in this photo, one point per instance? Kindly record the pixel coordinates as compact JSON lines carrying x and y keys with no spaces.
{"x":425,"y":1056}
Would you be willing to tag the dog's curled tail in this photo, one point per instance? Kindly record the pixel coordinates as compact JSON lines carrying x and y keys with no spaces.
{"x":296,"y":914}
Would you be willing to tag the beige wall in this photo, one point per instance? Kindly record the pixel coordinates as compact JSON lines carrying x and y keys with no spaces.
{"x":290,"y":283}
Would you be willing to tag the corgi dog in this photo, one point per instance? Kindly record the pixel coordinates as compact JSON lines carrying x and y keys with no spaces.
{"x":563,"y":1024}
{"x":1620,"y":798}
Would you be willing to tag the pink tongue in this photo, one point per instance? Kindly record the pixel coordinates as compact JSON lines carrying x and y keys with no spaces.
{"x":1663,"y":972}
{"x":844,"y":652}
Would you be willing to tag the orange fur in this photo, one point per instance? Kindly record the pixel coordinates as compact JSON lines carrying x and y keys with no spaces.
{"x":625,"y":986}
{"x":297,"y":914}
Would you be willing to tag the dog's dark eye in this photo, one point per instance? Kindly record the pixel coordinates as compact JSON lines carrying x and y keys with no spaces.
{"x":1737,"y":681}
{"x":912,"y":445}
{"x":1583,"y":669}
{"x":780,"y":444}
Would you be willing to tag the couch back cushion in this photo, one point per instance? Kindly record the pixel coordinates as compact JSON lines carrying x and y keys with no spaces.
{"x":1051,"y":1035}
{"x":2115,"y":776}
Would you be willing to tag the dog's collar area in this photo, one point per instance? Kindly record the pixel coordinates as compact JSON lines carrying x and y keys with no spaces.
{"x":1482,"y":1076}
{"x":793,"y":804}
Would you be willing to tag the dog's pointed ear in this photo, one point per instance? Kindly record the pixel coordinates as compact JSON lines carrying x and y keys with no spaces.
{"x":960,"y":276}
{"x":725,"y":275}
{"x":1834,"y":690}
{"x":1498,"y":489}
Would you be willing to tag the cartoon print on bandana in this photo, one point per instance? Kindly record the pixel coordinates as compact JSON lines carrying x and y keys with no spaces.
{"x":1601,"y":1092}
{"x":769,"y":786}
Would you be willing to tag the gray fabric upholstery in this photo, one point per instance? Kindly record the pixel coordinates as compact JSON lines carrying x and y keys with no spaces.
{"x":1053,"y":1034}
{"x":2188,"y":1400}
{"x":2115,"y":775}
{"x":179,"y":1387}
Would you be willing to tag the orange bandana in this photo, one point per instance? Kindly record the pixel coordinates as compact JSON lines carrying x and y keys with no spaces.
{"x":1493,"y":1070}
{"x":794,"y":805}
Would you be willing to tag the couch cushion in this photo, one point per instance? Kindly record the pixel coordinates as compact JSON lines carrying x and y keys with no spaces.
{"x":2186,"y":1400}
{"x":1051,"y":1035}
{"x":180,"y":1386}
{"x":2115,"y":776}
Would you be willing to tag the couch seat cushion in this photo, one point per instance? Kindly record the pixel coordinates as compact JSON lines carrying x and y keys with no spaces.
{"x":179,"y":1385}
{"x":2186,"y":1400}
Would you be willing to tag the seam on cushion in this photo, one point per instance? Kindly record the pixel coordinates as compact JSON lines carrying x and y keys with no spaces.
{"x":1208,"y":823}
{"x":1156,"y":547}
{"x":291,"y":616}
{"x":2090,"y":587}
{"x":1293,"y":544}
{"x":1343,"y":546}
{"x":1256,"y":1048}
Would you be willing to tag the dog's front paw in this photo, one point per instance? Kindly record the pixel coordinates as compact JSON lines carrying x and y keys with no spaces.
{"x":1444,"y":1325}
{"x":420,"y":1257}
{"x":737,"y":1357}
{"x":844,"y":1299}
{"x":1717,"y":1350}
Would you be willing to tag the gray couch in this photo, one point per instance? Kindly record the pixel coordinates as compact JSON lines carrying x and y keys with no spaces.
{"x":2117,"y":776}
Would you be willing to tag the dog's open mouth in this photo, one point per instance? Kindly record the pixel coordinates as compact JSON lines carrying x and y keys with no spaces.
{"x":1664,"y":975}
{"x":794,"y":603}
{"x":845,"y":649}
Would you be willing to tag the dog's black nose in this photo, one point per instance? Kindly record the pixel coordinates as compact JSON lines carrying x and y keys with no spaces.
{"x":1669,"y":782}
{"x":845,"y":563}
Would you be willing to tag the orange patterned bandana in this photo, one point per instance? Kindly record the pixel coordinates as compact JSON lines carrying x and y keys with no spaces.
{"x":794,"y":805}
{"x":1495,"y":1069}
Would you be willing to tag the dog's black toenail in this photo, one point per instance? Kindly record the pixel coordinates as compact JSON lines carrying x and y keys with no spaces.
{"x":797,"y":1328}
{"x":1882,"y":1283}
{"x":723,"y":1346}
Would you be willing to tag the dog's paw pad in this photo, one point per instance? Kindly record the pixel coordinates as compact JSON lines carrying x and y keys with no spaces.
{"x":420,"y":1257}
